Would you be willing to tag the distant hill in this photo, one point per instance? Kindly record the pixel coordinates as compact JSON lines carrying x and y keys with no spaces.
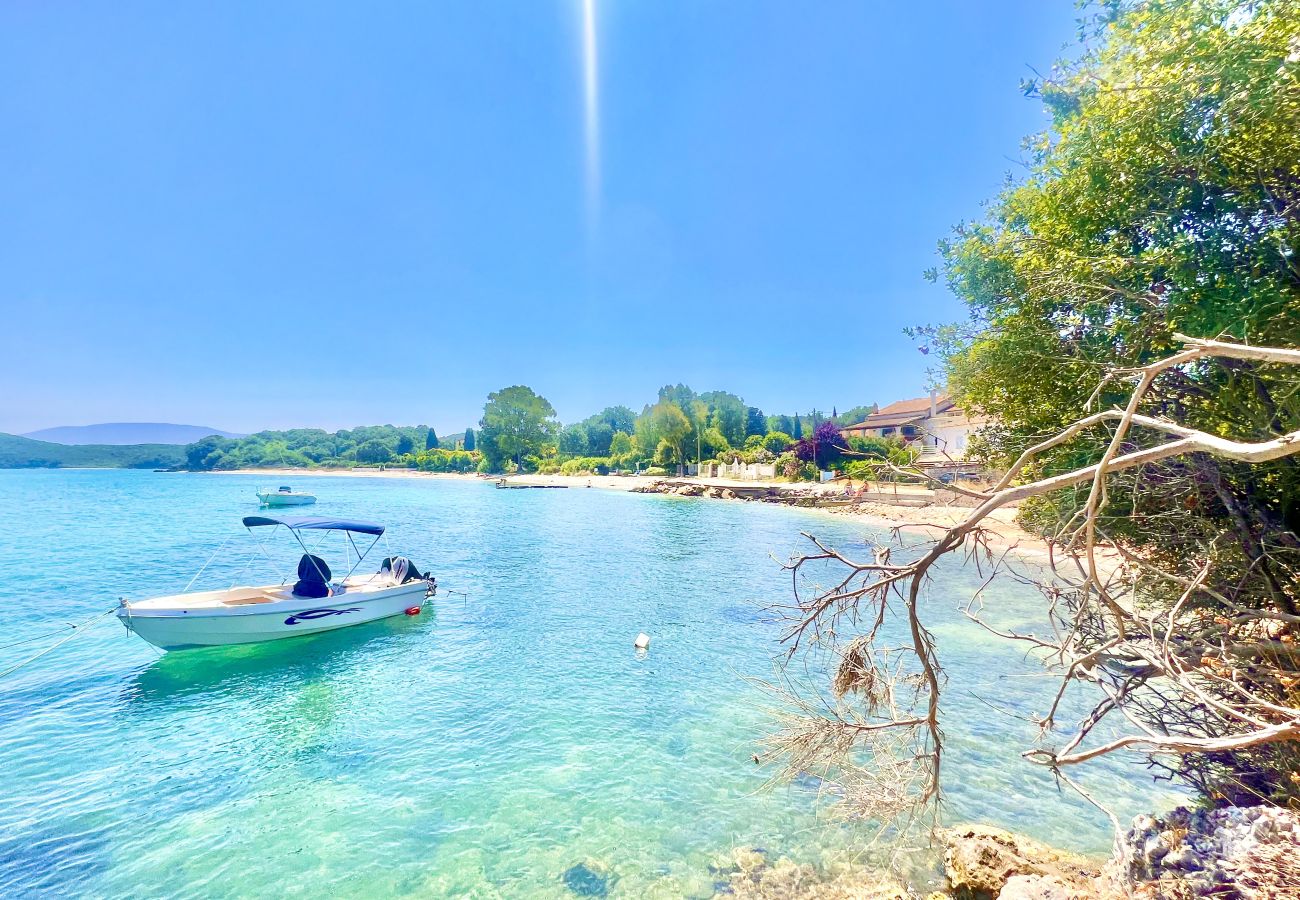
{"x":24,"y":453}
{"x":126,"y":433}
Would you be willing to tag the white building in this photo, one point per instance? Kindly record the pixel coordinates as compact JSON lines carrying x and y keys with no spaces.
{"x":942,"y":430}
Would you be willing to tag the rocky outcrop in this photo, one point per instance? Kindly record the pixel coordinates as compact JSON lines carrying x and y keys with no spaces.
{"x":1234,"y":853}
{"x":1228,"y":854}
{"x":713,"y":492}
{"x":985,"y":863}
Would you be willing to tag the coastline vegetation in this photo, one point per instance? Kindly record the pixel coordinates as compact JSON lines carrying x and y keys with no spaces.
{"x":520,"y":432}
{"x":25,"y":453}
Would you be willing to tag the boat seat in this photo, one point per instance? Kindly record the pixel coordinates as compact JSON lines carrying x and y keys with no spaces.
{"x":313,"y":577}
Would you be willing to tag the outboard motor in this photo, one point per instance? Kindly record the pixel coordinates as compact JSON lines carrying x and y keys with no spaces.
{"x":402,"y":570}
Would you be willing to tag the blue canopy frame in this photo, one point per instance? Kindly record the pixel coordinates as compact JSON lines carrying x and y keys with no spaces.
{"x":317,"y":523}
{"x":322,"y":523}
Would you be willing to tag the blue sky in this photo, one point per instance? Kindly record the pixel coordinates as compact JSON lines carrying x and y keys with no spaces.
{"x":251,"y":215}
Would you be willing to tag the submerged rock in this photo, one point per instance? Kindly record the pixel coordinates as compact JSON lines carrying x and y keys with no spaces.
{"x":588,"y":879}
{"x":753,"y":877}
{"x":748,"y":860}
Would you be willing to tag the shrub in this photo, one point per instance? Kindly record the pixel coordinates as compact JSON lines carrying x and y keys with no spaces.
{"x":787,"y":466}
{"x":777,"y":442}
{"x":585,"y":465}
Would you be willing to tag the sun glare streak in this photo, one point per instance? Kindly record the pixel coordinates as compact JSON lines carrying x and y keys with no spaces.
{"x":591,"y":108}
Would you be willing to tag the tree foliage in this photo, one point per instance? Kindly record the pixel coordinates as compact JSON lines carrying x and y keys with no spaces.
{"x":728,"y":414}
{"x":573,"y":441}
{"x":517,"y":422}
{"x":305,"y":447}
{"x":374,"y":451}
{"x":664,"y":425}
{"x":855,"y":415}
{"x":24,"y":453}
{"x":618,"y":418}
{"x":1165,"y":199}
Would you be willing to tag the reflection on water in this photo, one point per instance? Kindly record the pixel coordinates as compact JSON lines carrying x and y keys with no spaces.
{"x":511,"y":742}
{"x":205,"y":674}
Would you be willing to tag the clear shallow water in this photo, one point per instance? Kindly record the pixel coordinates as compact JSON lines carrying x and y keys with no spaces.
{"x":481,"y":750}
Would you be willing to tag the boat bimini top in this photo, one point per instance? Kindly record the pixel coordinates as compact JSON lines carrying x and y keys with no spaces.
{"x":313,"y":574}
{"x":318,"y":523}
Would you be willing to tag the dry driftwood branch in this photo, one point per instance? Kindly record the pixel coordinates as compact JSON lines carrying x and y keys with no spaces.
{"x":1185,"y":679}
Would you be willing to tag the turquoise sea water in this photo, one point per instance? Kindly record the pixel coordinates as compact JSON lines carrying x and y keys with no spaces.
{"x":481,"y":749}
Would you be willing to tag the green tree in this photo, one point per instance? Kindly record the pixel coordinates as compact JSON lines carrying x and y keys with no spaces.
{"x":431,"y":440}
{"x":374,"y":451}
{"x":517,"y":422}
{"x":727,"y":413}
{"x":796,"y":429}
{"x":697,"y":414}
{"x":782,"y":424}
{"x":777,"y":442}
{"x":204,"y":454}
{"x":405,"y":444}
{"x":622,"y":445}
{"x":469,"y":439}
{"x":1162,"y":200}
{"x":666,"y":424}
{"x":599,"y":436}
{"x":573,"y":441}
{"x":855,"y":415}
{"x":714,"y":442}
{"x":755,"y":422}
{"x":679,"y":394}
{"x":618,"y":418}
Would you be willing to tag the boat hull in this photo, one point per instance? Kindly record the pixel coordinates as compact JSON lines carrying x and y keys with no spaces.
{"x":184,"y":629}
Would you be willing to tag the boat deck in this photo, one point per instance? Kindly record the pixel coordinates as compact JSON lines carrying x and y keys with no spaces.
{"x":253,"y":596}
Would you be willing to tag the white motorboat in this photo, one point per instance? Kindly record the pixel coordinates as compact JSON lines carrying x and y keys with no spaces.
{"x":314,"y":603}
{"x":285,"y":496}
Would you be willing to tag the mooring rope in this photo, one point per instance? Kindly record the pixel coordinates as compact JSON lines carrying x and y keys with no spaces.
{"x":76,"y":629}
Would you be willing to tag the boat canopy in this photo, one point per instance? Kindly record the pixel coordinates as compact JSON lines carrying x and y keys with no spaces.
{"x":317,"y":523}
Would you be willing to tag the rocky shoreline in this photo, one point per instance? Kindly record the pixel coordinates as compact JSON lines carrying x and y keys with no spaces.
{"x":759,"y":491}
{"x":1236,"y":853}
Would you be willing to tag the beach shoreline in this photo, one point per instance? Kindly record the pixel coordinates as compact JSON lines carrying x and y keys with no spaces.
{"x":1003,"y":532}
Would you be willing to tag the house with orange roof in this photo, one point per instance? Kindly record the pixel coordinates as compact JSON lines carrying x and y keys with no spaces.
{"x":936,"y":422}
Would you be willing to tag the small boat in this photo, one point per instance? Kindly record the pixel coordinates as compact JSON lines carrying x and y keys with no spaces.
{"x":315,"y":602}
{"x":285,"y":496}
{"x":523,"y":485}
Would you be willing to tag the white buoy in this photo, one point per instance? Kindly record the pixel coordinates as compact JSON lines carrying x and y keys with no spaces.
{"x":642,"y":641}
